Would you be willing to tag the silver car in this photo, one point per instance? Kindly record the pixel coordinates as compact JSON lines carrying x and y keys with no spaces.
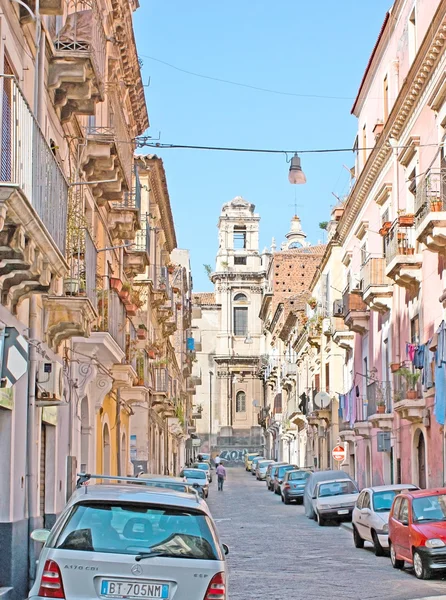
{"x":129,"y":541}
{"x":261,"y":469}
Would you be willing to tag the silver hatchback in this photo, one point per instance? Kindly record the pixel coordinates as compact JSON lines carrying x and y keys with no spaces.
{"x":129,"y":541}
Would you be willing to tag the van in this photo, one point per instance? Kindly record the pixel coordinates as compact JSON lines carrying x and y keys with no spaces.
{"x":312,"y":482}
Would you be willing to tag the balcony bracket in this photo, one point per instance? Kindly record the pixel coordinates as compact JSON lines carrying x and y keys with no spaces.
{"x":67,"y":317}
{"x":123,"y":375}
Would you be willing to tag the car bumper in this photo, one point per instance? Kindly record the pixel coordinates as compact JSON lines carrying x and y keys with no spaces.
{"x":262,"y":476}
{"x":338,"y":514}
{"x":293,"y":493}
{"x":434,"y":558}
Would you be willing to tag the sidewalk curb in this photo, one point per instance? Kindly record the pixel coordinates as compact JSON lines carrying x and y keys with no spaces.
{"x":347,"y":526}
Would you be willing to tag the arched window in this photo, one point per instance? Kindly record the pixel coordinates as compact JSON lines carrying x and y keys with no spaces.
{"x":106,"y":451}
{"x":240,"y":298}
{"x":240,"y":402}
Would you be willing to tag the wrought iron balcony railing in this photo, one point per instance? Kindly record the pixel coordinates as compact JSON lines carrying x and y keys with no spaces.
{"x":142,"y":238}
{"x":27,"y":162}
{"x":400,"y":241}
{"x":431,"y":193}
{"x":112,"y":316}
{"x":83,"y":267}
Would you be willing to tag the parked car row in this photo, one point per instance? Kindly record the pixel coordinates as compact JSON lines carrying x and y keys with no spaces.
{"x":140,"y":538}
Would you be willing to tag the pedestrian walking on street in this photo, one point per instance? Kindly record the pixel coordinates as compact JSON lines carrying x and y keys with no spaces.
{"x":217,"y":460}
{"x":221,"y":476}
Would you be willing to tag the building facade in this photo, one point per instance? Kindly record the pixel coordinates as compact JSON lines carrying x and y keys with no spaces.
{"x":227,"y":325}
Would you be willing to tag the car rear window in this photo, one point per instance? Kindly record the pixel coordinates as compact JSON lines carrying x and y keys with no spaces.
{"x":123,"y":528}
{"x":336,"y":488}
{"x":282,"y":470}
{"x":298,"y":475}
{"x":194,"y":474}
{"x":263,"y":463}
{"x":202,"y":466}
{"x":382,"y":501}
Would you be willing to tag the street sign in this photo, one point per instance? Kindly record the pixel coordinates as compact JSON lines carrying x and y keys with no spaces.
{"x":338,"y":453}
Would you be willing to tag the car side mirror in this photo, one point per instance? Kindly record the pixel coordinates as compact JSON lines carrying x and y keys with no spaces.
{"x":366,"y":511}
{"x":40,"y":535}
{"x":225,"y":549}
{"x":314,"y":497}
{"x":405,"y":522}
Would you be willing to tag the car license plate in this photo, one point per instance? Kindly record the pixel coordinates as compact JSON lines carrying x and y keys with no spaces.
{"x":343,"y":512}
{"x":134,"y":589}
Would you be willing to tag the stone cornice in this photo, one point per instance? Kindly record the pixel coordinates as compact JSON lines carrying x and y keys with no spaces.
{"x":415,"y":83}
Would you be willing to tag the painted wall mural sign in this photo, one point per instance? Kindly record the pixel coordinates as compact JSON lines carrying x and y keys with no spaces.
{"x":236,"y":456}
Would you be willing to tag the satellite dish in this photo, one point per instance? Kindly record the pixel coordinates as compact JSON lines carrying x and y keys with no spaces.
{"x":322,"y":400}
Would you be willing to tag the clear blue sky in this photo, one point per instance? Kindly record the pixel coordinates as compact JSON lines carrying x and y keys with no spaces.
{"x":319,"y":48}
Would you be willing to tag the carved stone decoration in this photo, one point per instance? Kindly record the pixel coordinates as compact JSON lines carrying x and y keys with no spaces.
{"x":102,"y":387}
{"x":66,"y":317}
{"x":86,"y":372}
{"x":123,"y":376}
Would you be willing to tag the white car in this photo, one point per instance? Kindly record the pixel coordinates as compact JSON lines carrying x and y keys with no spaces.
{"x":371,"y":515}
{"x":129,"y":541}
{"x":334,"y":500}
{"x":196,"y":477}
{"x":262,"y":467}
{"x":204,"y":466}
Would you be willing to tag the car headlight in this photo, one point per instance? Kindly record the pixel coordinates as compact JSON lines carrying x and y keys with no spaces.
{"x":385,"y":528}
{"x":435,"y":543}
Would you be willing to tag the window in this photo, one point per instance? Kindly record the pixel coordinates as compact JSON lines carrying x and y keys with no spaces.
{"x":240,"y":298}
{"x":386,"y":98}
{"x":366,"y":501}
{"x":240,"y":260}
{"x":364,"y":145}
{"x":415,"y":330}
{"x":240,"y":402}
{"x":412,"y":36}
{"x":239,"y":237}
{"x":124,"y":528}
{"x":240,"y":320}
{"x":363,"y":255}
{"x":396,"y":508}
{"x":403,"y":513}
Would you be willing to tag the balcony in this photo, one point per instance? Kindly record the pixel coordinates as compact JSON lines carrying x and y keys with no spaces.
{"x":346,"y":433}
{"x":46,"y":7}
{"x":379,"y":405}
{"x":411,"y":410}
{"x":430,"y":211}
{"x":33,"y":203}
{"x":160,"y":284}
{"x":402,"y":264}
{"x":82,"y":262}
{"x":112,"y":317}
{"x":356,"y":312}
{"x":340,"y":334}
{"x":376,"y":286}
{"x":67,"y":317}
{"x":363,"y":429}
{"x":137,"y":256}
{"x":77,"y":70}
{"x":124,"y":215}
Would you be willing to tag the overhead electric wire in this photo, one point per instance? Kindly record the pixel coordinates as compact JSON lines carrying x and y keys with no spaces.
{"x":144,"y":141}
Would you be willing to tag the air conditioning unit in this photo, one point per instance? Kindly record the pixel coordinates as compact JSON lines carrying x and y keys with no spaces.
{"x":50,"y":381}
{"x":356,"y":284}
{"x":326,"y":326}
{"x":338,"y":309}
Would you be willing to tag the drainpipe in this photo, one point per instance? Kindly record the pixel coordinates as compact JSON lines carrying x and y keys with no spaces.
{"x":118,"y":431}
{"x":31,"y":442}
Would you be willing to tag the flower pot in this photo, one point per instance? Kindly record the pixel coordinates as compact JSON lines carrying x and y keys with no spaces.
{"x":406,"y":220}
{"x":170,"y":270}
{"x":116,"y":284}
{"x":124,"y":295}
{"x":141,"y":334}
{"x":394,"y":367}
{"x":381,"y":409}
{"x":71,"y":286}
{"x":436,"y":205}
{"x":141,"y":381}
{"x":411,"y":394}
{"x":410,"y":251}
{"x":131,"y":310}
{"x":151,"y":354}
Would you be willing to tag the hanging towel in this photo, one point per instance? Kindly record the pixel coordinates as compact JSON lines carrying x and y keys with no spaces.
{"x":428,"y":381}
{"x":418,"y":361}
{"x":410,"y":351}
{"x":440,"y":389}
{"x":441,"y":345}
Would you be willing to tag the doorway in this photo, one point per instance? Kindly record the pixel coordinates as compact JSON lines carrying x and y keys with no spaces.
{"x":421,"y":460}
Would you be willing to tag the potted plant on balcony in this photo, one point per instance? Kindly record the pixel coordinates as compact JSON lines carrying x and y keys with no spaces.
{"x":125,"y":291}
{"x":405,"y":220}
{"x":151,"y":353}
{"x":385,"y":228}
{"x":116,"y":284}
{"x":312,"y":302}
{"x":131,"y":309}
{"x":395,"y":367}
{"x":162,"y":283}
{"x":436,"y":204}
{"x":170,"y":268}
{"x":141,"y":332}
{"x":411,"y":380}
{"x":71,"y":286}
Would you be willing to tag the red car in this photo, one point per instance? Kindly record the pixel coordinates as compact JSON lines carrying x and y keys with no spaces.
{"x":417,"y":531}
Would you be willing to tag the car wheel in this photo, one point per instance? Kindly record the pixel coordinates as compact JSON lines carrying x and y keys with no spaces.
{"x":379,"y":550}
{"x":357,"y":539}
{"x":286,"y":500}
{"x":320,"y":520}
{"x":420,"y":568}
{"x":282,"y":499}
{"x":396,"y":562}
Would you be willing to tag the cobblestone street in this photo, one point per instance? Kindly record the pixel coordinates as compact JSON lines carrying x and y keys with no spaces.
{"x":276,"y":553}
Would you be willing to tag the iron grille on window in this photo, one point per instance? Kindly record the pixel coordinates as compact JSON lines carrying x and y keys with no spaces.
{"x":240,"y":260}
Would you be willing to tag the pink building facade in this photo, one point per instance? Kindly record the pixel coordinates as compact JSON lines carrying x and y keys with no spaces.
{"x":393,"y":240}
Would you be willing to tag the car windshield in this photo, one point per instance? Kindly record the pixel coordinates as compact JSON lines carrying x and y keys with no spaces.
{"x":382,"y":501}
{"x":169,"y":485}
{"x":298,"y":475}
{"x":123,"y":528}
{"x":197,"y":474}
{"x":282,"y":470}
{"x":429,"y":508}
{"x":257,"y":459}
{"x":263,"y":463}
{"x":202,"y":466}
{"x":336,"y":488}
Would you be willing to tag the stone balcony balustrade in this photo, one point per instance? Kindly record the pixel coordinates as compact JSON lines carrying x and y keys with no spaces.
{"x":377,"y":289}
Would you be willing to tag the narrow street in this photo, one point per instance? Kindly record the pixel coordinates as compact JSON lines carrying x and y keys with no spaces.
{"x":275,"y":552}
